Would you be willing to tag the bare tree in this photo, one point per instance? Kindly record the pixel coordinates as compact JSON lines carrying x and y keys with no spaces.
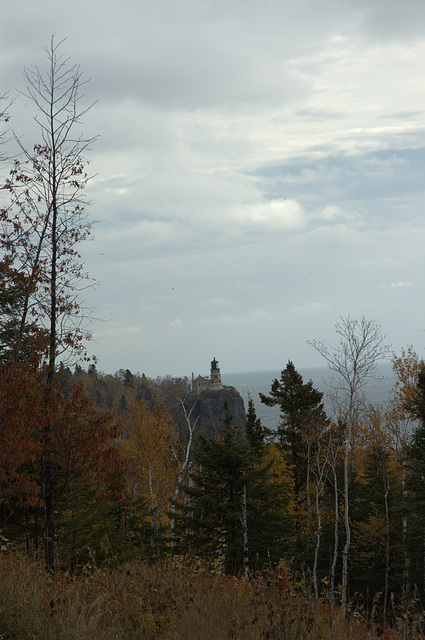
{"x":43,"y":226}
{"x":5,"y":103}
{"x":46,"y":219}
{"x":361,"y":345}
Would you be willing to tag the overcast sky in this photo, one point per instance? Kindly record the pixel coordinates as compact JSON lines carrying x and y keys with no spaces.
{"x":259,"y":172}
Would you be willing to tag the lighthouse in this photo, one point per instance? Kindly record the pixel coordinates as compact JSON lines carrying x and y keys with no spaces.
{"x":215,"y":376}
{"x":213,"y":383}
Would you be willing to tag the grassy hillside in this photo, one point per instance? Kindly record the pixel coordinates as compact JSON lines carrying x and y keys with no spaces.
{"x":147,"y":601}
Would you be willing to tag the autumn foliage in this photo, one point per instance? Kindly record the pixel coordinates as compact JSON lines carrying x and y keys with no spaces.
{"x":39,"y":427}
{"x":20,"y":441}
{"x":151,"y":445}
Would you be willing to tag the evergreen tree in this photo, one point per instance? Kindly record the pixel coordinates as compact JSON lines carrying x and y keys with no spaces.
{"x":128,"y":379}
{"x":416,"y":487}
{"x":89,"y":530}
{"x":211,"y":523}
{"x":374,"y":518}
{"x":301,"y":408}
{"x":255,"y":433}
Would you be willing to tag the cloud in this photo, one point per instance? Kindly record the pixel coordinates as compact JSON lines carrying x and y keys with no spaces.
{"x":276,"y":215}
{"x":249,"y":158}
{"x":117,"y":329}
{"x":311,"y":308}
{"x":133,"y":329}
{"x":120,"y":183}
{"x":215,"y":302}
{"x":388,"y":20}
{"x":127,"y":238}
{"x":333,"y":213}
{"x":256,"y":315}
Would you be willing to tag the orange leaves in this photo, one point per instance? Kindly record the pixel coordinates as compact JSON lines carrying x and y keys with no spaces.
{"x":376,"y":429}
{"x":20,"y":445}
{"x":281,"y":473}
{"x":406,"y":367}
{"x":39,"y":424}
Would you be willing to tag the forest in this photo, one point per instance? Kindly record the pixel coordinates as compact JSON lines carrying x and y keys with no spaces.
{"x":120,"y":518}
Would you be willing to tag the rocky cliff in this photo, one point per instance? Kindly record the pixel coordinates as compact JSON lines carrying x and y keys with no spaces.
{"x":209,"y":410}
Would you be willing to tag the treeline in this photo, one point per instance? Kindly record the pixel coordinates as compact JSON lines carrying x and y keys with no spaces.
{"x":114,"y":392}
{"x":112,"y":472}
{"x":120,"y":392}
{"x":336,"y":499}
{"x":131,"y":482}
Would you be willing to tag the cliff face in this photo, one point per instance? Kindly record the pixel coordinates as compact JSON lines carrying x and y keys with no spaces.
{"x":209,"y":409}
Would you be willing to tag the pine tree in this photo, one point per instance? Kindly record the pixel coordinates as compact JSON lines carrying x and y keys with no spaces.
{"x":128,"y":379}
{"x":255,"y":433}
{"x":300,"y":409}
{"x":228,"y":478}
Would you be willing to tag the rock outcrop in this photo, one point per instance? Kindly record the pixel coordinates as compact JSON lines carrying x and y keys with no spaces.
{"x":210,"y":413}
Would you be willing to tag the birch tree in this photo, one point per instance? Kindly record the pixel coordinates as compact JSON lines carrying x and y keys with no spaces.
{"x":319,"y":474}
{"x":353,"y":359}
{"x":333,"y":452}
{"x":152,"y":435}
{"x":184,"y":460}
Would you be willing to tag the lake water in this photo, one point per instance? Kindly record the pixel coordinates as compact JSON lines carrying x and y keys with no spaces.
{"x":377,"y":390}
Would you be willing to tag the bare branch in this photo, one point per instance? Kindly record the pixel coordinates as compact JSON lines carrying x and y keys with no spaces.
{"x":47,"y":217}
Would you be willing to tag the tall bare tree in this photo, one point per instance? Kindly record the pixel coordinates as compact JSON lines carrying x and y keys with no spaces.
{"x":353,"y":359}
{"x":42,"y":227}
{"x":4,"y":119}
{"x":47,"y":218}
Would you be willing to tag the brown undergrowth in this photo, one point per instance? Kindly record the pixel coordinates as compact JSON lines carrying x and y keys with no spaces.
{"x":147,"y":601}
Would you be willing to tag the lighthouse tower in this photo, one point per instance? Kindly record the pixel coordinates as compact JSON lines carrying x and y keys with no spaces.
{"x":215,"y":378}
{"x":213,"y":383}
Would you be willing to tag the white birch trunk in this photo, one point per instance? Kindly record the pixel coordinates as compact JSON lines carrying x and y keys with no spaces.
{"x":308,"y":501}
{"x":183,"y":465}
{"x":245,"y":535}
{"x":387,"y":547}
{"x":336,"y":534}
{"x":344,"y":591}
{"x":319,"y":473}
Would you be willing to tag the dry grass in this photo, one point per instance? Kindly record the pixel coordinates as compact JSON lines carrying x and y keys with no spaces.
{"x":145,"y":601}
